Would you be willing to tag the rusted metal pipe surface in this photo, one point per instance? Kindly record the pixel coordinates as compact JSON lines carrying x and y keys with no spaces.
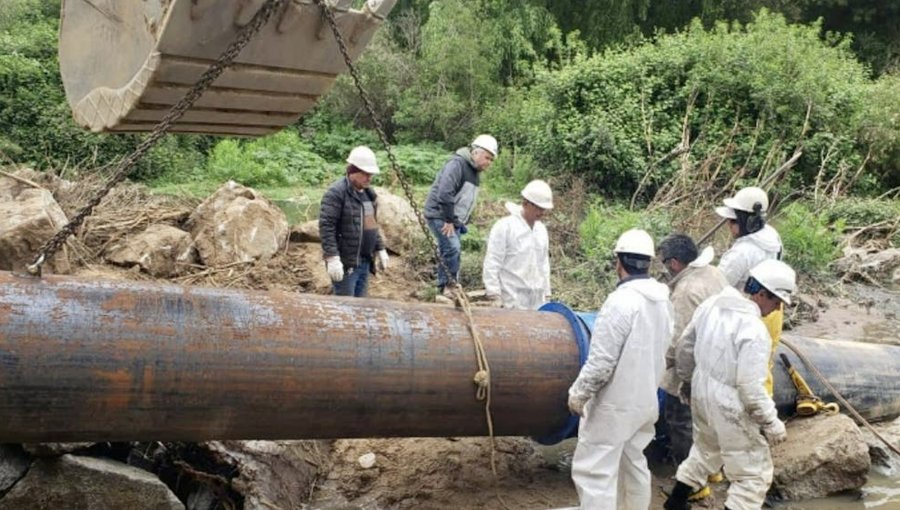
{"x":85,"y":360}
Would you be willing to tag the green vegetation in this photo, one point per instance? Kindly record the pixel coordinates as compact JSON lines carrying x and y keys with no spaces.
{"x":618,"y":99}
{"x":734,"y":89}
{"x":810,"y":240}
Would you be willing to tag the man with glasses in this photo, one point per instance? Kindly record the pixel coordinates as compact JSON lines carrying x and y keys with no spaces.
{"x":693,"y":280}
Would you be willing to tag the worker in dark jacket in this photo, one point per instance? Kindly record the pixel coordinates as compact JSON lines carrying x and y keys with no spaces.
{"x":451,"y":200}
{"x":348,"y":226}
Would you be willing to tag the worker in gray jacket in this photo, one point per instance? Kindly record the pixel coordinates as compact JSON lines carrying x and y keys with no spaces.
{"x":451,"y":200}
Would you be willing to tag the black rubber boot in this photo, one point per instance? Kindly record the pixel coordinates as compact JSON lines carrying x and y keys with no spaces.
{"x":678,"y":500}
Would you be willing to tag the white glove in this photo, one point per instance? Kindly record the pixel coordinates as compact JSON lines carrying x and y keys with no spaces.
{"x":775,"y":432}
{"x":335,"y":268}
{"x":576,"y":406}
{"x":383,"y":259}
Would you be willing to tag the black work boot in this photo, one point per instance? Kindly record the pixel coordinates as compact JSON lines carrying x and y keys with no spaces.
{"x":678,"y":499}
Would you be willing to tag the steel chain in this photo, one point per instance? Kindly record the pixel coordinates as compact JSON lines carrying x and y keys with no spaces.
{"x":123,"y":167}
{"x":482,"y":377}
{"x":379,"y":128}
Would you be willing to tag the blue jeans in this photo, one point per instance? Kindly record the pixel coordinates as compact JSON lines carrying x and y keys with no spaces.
{"x":355,"y":282}
{"x":449,"y":248}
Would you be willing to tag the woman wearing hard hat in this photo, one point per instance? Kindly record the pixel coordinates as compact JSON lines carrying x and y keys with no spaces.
{"x":754,"y":242}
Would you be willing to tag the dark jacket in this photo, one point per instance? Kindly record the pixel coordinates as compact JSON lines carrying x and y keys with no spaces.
{"x":341,"y":224}
{"x":452,"y":195}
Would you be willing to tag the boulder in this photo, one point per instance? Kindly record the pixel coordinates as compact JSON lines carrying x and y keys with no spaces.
{"x":399,"y":227}
{"x":306,"y":232}
{"x":823,"y":454}
{"x":88,"y":483}
{"x":14,"y":464}
{"x":237,"y":224}
{"x":160,"y":250}
{"x":28,"y":217}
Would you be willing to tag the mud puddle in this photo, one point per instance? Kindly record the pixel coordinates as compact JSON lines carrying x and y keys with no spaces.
{"x":881,"y":493}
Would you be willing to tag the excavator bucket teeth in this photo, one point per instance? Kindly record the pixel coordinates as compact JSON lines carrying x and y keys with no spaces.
{"x":124,"y":63}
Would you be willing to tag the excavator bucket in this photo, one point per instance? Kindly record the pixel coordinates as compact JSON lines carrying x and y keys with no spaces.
{"x":124,"y":63}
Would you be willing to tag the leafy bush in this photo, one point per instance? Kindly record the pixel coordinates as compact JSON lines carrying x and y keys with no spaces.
{"x":332,"y":138}
{"x":276,"y":160}
{"x":747,"y":88}
{"x":810,"y":241}
{"x":604,"y":223}
{"x":862,"y":212}
{"x":419,"y":163}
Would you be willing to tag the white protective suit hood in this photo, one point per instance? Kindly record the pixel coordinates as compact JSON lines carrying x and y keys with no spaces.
{"x":746,"y":252}
{"x":517,"y":261}
{"x":619,"y":381}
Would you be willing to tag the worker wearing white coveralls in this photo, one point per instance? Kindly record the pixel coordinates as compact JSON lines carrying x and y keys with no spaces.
{"x":754,"y":242}
{"x":615,"y":392}
{"x":516,"y":270}
{"x":724,"y":353}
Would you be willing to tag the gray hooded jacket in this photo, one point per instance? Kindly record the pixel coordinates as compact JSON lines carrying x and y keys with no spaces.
{"x":455,"y":188}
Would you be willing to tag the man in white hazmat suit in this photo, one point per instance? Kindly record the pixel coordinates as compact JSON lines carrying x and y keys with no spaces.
{"x":724,"y":352}
{"x":615,"y":392}
{"x":516,"y":270}
{"x":754,"y":242}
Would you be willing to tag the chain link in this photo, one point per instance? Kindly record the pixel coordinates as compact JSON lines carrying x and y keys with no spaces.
{"x":482,"y":377}
{"x":123,"y":167}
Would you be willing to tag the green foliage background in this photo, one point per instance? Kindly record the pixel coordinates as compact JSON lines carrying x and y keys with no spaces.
{"x":590,"y":94}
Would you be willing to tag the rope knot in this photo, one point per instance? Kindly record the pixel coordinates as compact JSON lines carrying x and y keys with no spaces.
{"x":482,"y":379}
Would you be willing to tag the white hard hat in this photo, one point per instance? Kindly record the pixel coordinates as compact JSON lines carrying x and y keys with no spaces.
{"x":538,"y":193}
{"x":363,"y":158}
{"x":777,"y":277}
{"x":726,"y":212}
{"x":746,"y":198}
{"x":635,"y":241}
{"x":486,"y":142}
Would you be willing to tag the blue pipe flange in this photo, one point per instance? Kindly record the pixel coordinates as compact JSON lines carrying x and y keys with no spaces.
{"x":581,"y":325}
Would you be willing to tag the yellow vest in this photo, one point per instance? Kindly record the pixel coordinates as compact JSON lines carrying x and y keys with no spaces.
{"x":774,"y":322}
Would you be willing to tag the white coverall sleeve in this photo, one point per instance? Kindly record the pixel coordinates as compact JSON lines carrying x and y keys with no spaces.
{"x":684,"y":351}
{"x":734,"y":265}
{"x":611,"y":329}
{"x":493,"y":258}
{"x":752,"y":369}
{"x":546,"y":271}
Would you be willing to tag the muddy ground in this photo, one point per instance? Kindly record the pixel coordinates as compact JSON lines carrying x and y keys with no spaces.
{"x":455,"y":473}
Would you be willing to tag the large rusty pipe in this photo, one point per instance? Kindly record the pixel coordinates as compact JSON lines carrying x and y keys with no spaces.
{"x":108,"y":360}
